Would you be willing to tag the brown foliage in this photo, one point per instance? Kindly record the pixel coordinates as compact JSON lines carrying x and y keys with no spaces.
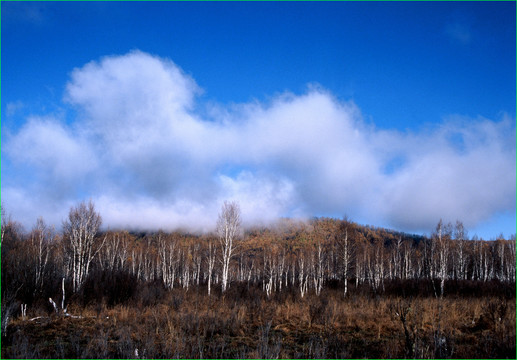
{"x":244,"y":323}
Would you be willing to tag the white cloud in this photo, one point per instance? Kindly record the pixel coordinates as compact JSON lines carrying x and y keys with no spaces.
{"x":51,"y":148}
{"x":262,"y":199}
{"x":149,"y":161}
{"x":468,"y":176}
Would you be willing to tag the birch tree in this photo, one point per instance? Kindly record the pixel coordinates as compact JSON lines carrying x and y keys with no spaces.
{"x":80,"y":229}
{"x":460,"y":235}
{"x":168,"y":259}
{"x":346,"y":252}
{"x":228,"y":226}
{"x":4,"y":223}
{"x":442,"y":239}
{"x":408,"y":253}
{"x":302,"y":276}
{"x":113,"y":254}
{"x":210,"y":261}
{"x":41,"y":237}
{"x":510,"y":261}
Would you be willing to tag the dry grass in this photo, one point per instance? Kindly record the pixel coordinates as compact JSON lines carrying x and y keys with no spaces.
{"x":248,"y":325}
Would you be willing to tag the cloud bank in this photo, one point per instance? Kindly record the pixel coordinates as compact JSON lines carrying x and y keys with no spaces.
{"x":139,"y":148}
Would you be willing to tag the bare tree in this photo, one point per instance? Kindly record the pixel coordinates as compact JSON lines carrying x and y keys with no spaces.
{"x":80,"y":230}
{"x":317,"y":267}
{"x":302,"y":273}
{"x":460,"y":235}
{"x":442,"y":237}
{"x":210,"y":261}
{"x":346,"y":250}
{"x":40,"y":239}
{"x":510,"y":261}
{"x":167,"y":250}
{"x":408,"y":254}
{"x":5,"y":222}
{"x":114,"y":253}
{"x":228,"y":226}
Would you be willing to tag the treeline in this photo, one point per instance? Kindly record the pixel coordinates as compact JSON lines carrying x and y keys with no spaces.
{"x":306,"y":256}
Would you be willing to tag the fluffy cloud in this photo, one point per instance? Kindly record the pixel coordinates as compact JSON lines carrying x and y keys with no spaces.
{"x":52,"y":149}
{"x":462,"y":170}
{"x":148,"y":160}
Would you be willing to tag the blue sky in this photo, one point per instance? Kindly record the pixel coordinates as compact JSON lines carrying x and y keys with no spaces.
{"x":395,"y":114}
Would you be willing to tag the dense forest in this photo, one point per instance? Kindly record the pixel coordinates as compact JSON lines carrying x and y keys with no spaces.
{"x":296,"y":289}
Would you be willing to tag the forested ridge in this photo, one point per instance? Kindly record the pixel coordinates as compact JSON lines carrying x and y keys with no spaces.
{"x":252,"y":278}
